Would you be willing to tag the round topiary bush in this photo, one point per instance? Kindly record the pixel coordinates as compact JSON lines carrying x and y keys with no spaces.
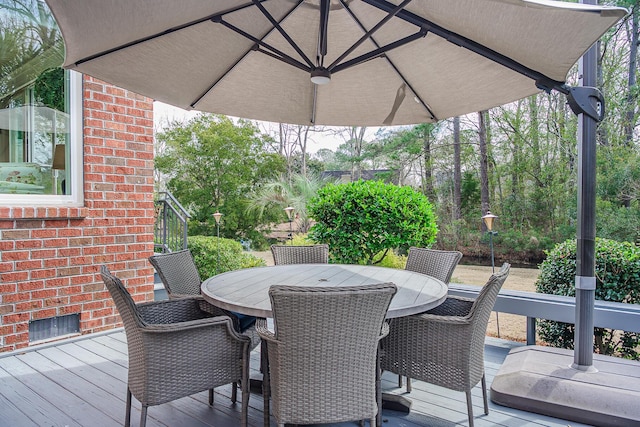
{"x":363,"y":220}
{"x":232,"y":257}
{"x":617,"y":279}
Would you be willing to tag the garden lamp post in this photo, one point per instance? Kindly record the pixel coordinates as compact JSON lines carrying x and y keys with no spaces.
{"x":488,"y":221}
{"x":289,"y":211}
{"x":217,"y":217}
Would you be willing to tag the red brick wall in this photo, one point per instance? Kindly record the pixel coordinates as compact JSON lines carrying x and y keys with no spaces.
{"x":50,"y":257}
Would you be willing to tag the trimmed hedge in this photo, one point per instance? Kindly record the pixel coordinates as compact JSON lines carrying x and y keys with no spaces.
{"x":232,"y":257}
{"x":362,"y":221}
{"x":617,"y":279}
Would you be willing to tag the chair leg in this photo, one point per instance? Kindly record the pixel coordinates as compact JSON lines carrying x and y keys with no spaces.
{"x":210,"y":397}
{"x":234,"y":392}
{"x":469,"y":408}
{"x":143,"y":416}
{"x":399,"y":381}
{"x":244,"y":385}
{"x":408,"y":385}
{"x":484,"y":395}
{"x":266,"y":387}
{"x":127,"y":417}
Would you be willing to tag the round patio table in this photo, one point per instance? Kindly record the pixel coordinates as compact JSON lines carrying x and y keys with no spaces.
{"x":247,"y":291}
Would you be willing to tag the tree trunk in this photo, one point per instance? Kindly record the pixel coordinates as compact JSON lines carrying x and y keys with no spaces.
{"x":428,"y":173}
{"x":457,"y":173}
{"x":630,"y":119}
{"x":484,"y":163}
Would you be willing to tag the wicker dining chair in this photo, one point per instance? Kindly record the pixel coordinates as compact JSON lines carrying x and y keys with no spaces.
{"x":310,"y":254}
{"x":434,"y":263}
{"x":180,"y":278}
{"x":323,"y":355}
{"x":445,"y":345}
{"x":176,"y":350}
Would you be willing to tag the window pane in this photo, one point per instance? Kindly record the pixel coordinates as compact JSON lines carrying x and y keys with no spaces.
{"x":34,"y":101}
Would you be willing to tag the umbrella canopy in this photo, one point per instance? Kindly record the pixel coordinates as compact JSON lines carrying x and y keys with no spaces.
{"x":375,"y":62}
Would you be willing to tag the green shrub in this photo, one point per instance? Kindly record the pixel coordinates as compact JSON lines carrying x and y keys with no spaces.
{"x":392,"y":260}
{"x":361,"y":219}
{"x":617,"y":279}
{"x":205,"y":255}
{"x":300,"y":240}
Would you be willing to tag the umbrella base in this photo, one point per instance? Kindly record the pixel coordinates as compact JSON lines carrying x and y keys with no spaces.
{"x":541,"y":380}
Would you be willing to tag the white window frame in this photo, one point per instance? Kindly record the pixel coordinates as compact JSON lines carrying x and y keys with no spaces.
{"x":76,"y":170}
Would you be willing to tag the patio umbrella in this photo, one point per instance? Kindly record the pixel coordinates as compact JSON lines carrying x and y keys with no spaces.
{"x":375,"y":62}
{"x":347,"y":62}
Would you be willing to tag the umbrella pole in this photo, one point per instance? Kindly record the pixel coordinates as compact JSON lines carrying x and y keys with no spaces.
{"x":586,"y":231}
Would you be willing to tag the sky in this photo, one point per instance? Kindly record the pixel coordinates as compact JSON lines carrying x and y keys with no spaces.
{"x":163,"y":114}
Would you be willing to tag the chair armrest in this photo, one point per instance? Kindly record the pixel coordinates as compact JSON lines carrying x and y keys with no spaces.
{"x":171,"y":311}
{"x":191,"y":347}
{"x":263,"y":330}
{"x":449,"y":320}
{"x":384,"y":331}
{"x":219,"y":322}
{"x":453,"y":307}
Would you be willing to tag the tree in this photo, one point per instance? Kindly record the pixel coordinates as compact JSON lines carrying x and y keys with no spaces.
{"x":276,"y":195}
{"x":213,"y":164}
{"x":361,"y":221}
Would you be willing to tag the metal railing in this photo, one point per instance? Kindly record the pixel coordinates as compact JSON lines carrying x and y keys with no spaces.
{"x":170,"y":229}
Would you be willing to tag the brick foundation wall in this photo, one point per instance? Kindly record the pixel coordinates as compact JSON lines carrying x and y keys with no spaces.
{"x":50,"y":256}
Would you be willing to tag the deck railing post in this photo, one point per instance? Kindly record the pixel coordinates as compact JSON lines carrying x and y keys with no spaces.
{"x":531,"y":331}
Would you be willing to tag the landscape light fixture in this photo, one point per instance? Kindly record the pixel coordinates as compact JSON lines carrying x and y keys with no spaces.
{"x":217,"y":217}
{"x":289,"y":211}
{"x":488,"y":221}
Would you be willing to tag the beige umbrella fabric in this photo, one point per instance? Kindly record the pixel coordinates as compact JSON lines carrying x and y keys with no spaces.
{"x":219,"y":56}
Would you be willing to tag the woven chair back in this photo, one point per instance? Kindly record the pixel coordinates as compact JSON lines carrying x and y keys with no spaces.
{"x":483,"y":305}
{"x":131,"y":317}
{"x":434,"y":263}
{"x":310,"y":254}
{"x":178,"y":272}
{"x":324,"y":366}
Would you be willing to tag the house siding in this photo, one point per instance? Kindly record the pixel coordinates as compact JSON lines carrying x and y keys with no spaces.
{"x":50,"y":256}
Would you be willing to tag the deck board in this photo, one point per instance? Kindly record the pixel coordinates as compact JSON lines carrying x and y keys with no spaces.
{"x":82,"y":382}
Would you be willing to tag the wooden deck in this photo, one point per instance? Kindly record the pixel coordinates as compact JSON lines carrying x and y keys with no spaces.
{"x":82,"y":382}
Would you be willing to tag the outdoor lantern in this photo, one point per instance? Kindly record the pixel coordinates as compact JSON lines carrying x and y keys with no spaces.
{"x":289,"y":211}
{"x":217,"y":217}
{"x":488,"y":220}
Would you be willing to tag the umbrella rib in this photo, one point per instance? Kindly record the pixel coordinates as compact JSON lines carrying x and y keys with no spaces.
{"x":162,"y":33}
{"x":277,"y":26}
{"x":378,"y":52}
{"x":218,"y":18}
{"x":542,"y":82}
{"x":275,"y":53}
{"x":402,"y":77}
{"x":368,"y":34}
